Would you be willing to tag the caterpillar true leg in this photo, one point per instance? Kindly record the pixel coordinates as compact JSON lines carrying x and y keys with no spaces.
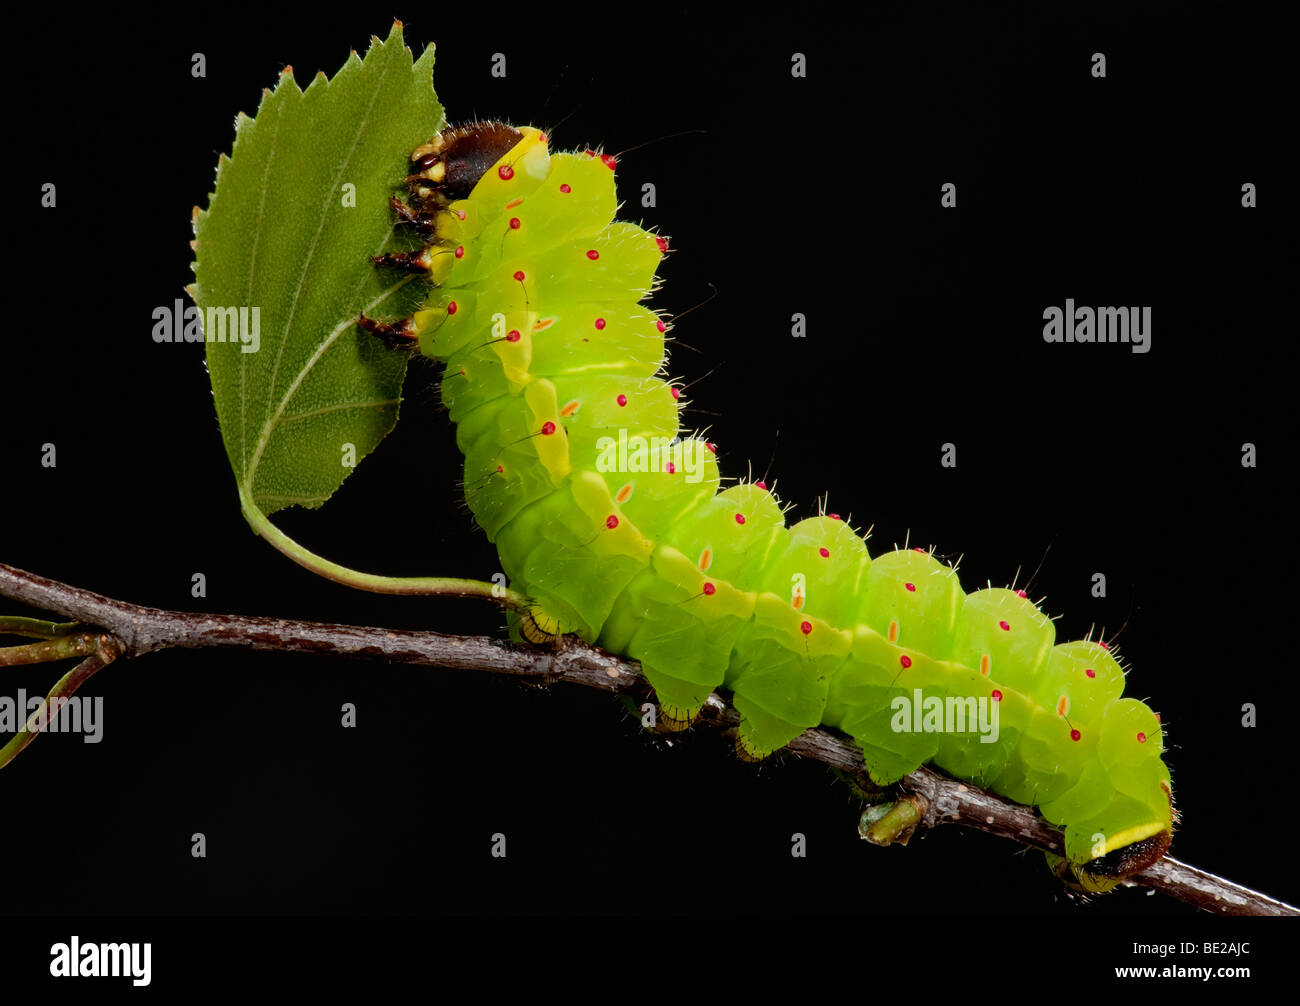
{"x":419,"y":261}
{"x":424,"y":222}
{"x":398,"y":335}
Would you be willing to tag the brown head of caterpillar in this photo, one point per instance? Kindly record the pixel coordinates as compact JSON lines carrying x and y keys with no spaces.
{"x":450,"y":165}
{"x":446,"y":169}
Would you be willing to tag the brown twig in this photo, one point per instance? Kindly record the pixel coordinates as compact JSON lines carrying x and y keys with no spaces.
{"x":132,"y":630}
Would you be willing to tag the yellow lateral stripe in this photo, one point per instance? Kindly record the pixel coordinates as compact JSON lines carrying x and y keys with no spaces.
{"x":1129,"y":836}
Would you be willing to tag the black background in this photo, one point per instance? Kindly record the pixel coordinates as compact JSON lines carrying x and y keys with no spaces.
{"x":817,"y":195}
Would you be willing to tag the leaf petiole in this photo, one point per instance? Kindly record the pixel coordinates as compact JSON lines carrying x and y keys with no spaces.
{"x":444,"y":586}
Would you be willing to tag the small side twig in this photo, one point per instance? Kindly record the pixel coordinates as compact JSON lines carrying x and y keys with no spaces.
{"x":128,"y":630}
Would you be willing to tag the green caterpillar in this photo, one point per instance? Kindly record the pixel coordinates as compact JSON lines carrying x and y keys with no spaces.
{"x":614,"y":525}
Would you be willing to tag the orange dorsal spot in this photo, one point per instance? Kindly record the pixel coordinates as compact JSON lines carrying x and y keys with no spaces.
{"x":544,"y":324}
{"x":514,"y":202}
{"x":570,"y":409}
{"x":706,"y":559}
{"x":986,"y":665}
{"x":1062,"y":706}
{"x":796,"y":602}
{"x":624,"y":493}
{"x":893,"y":631}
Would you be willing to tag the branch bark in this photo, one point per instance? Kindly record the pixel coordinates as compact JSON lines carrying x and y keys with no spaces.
{"x":111,"y":629}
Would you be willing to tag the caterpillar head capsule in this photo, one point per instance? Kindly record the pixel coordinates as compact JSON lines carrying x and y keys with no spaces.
{"x":450,"y":165}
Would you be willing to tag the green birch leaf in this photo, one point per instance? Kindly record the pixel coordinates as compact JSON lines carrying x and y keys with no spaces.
{"x":300,"y":207}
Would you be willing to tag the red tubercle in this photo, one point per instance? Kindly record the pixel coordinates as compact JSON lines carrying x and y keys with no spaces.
{"x":611,"y":522}
{"x":519,"y":275}
{"x":760,"y":484}
{"x":996,"y":696}
{"x":740,"y":518}
{"x":589,"y":153}
{"x":1104,"y":646}
{"x":805,"y":627}
{"x":548,"y":428}
{"x":825,"y":553}
{"x":1090,"y":672}
{"x":675,"y":391}
{"x":460,"y":251}
{"x":501,"y":470}
{"x":506,"y":172}
{"x":1021,"y":593}
{"x":919,"y":549}
{"x":566,"y":188}
{"x":709,"y":589}
{"x":451,"y":307}
{"x":460,"y":214}
{"x":1004,"y":626}
{"x":593,"y":254}
{"x":662,"y":242}
{"x":834,"y":516}
{"x":622,"y":400}
{"x":609,"y":160}
{"x":661,"y":326}
{"x":911,"y":587}
{"x":1142,"y":737}
{"x":672,"y":468}
{"x":905,"y":661}
{"x":600,"y":324}
{"x":514,"y":223}
{"x":712,"y":448}
{"x":1075,"y":735}
{"x":512,"y":335}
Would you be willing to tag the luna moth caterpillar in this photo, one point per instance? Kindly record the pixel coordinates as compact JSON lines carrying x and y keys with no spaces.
{"x":924,"y":327}
{"x":618,"y":528}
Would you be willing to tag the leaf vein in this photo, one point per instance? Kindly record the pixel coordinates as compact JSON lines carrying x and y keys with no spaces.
{"x":373,"y":403}
{"x":248,"y":299}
